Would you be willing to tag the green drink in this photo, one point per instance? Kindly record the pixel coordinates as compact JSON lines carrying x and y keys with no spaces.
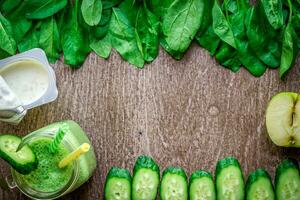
{"x":49,"y":181}
{"x":48,"y":177}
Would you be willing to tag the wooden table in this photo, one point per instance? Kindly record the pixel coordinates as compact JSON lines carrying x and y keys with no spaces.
{"x":187,"y":113}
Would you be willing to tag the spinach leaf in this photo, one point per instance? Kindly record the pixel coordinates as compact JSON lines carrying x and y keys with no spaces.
{"x":246,"y":55}
{"x":91,"y":11}
{"x":231,"y":29}
{"x":7,"y":42}
{"x":206,"y":36}
{"x":124,"y":39}
{"x":74,"y":40}
{"x":181,"y":23}
{"x":8,"y":5}
{"x":130,"y":9}
{"x":147,"y":27}
{"x":102,"y":47}
{"x":263,"y":38}
{"x":99,"y":31}
{"x":227,"y":56}
{"x":209,"y":40}
{"x":221,"y":26}
{"x":31,"y":39}
{"x":175,"y":54}
{"x":21,"y":25}
{"x":40,"y":9}
{"x":110,"y":3}
{"x":49,"y":39}
{"x":160,"y":7}
{"x":289,"y":46}
{"x":3,"y":54}
{"x":273,"y":11}
{"x":206,"y":21}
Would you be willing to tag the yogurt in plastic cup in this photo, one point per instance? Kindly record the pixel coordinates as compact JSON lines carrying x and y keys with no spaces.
{"x":31,"y":78}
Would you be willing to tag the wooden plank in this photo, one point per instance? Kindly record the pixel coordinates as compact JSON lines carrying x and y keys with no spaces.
{"x":187,"y":113}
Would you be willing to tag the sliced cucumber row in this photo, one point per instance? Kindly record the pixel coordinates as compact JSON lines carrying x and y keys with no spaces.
{"x":24,"y":161}
{"x":229,"y":183}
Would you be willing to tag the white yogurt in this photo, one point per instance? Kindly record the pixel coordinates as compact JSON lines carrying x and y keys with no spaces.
{"x":8,"y":99}
{"x":28,"y":79}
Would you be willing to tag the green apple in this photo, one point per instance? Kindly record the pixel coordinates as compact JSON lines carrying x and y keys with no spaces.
{"x":283,"y":119}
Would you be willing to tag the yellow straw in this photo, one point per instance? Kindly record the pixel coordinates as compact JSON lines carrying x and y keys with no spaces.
{"x":85,"y":147}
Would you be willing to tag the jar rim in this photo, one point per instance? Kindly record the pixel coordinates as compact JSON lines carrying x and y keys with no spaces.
{"x":34,"y":194}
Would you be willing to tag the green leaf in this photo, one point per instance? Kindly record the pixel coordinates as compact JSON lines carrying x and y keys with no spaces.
{"x":102,"y":47}
{"x":160,"y":7}
{"x":221,"y":26}
{"x":147,"y":27}
{"x":3,"y":54}
{"x":227,"y":56}
{"x":31,"y":39}
{"x":91,"y":11}
{"x":245,"y":54}
{"x":110,"y":3}
{"x":181,"y":23}
{"x":130,"y":9}
{"x":263,"y":38}
{"x":209,"y":40}
{"x":8,"y":5}
{"x":101,"y":29}
{"x":274,"y":12}
{"x":20,"y":24}
{"x":175,"y":54}
{"x":124,"y":40}
{"x":289,"y":46}
{"x":44,"y":8}
{"x":7,"y":42}
{"x":74,"y":40}
{"x":206,"y":37}
{"x":49,"y":39}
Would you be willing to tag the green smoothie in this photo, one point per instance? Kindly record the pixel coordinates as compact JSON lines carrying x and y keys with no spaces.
{"x":48,"y":177}
{"x":48,"y":181}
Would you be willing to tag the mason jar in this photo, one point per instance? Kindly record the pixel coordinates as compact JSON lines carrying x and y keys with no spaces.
{"x":78,"y":173}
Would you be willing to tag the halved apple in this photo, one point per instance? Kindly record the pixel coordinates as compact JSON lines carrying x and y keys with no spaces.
{"x":283,"y":119}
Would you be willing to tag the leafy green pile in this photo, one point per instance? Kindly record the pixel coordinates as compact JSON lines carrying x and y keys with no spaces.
{"x":265,"y":35}
{"x":257,"y":37}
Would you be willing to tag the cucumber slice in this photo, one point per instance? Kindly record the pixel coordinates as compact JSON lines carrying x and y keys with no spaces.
{"x":202,"y":186}
{"x":259,"y":186}
{"x":146,"y":178}
{"x":229,"y":180}
{"x":287,"y":180}
{"x":24,"y":161}
{"x":118,"y":184}
{"x":174,"y":184}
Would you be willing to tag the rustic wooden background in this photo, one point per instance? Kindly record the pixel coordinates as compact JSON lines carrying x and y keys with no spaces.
{"x":187,"y":113}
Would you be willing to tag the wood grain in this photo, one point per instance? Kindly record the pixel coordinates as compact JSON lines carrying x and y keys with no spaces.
{"x":187,"y":113}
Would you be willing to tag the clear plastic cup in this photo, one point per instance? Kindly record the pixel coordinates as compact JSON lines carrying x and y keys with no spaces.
{"x":37,"y":55}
